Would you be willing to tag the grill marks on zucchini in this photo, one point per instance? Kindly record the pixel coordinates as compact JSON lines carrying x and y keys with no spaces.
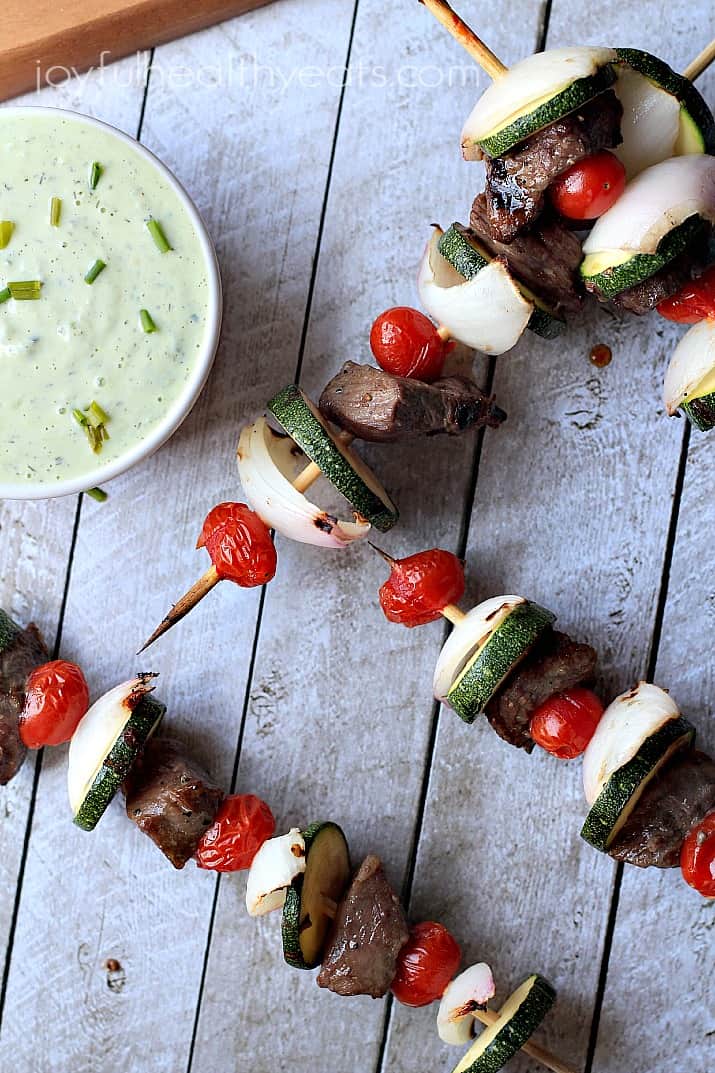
{"x":311,"y":900}
{"x":519,"y":1017}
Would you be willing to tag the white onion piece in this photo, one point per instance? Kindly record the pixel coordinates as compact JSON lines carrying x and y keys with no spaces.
{"x":488,"y":312}
{"x":469,"y":991}
{"x":278,"y":862}
{"x":693,"y":360}
{"x":650,"y":123}
{"x":530,"y":82}
{"x":624,"y":726}
{"x":466,"y":637}
{"x":266,"y":464}
{"x":96,"y":734}
{"x":656,"y":201}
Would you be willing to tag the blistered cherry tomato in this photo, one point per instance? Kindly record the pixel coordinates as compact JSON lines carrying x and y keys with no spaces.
{"x":590,"y":187}
{"x":421,"y":585}
{"x":697,"y":857}
{"x":240,"y":545}
{"x":426,"y":965}
{"x":243,"y":823}
{"x":56,"y":698}
{"x":566,"y":722}
{"x":406,"y":343}
{"x":694,"y":302}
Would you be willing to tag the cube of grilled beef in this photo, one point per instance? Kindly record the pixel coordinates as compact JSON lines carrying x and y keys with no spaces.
{"x":368,"y":933}
{"x":517,"y":181}
{"x":679,"y":797}
{"x":23,"y":651}
{"x":554,"y":664}
{"x":375,"y":405}
{"x":171,"y":799}
{"x":668,"y":281}
{"x":546,"y":258}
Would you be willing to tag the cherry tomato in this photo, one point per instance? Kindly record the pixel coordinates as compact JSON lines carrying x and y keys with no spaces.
{"x":426,"y":965}
{"x":697,"y":857}
{"x":421,"y":585}
{"x":590,"y":187}
{"x":695,"y":301}
{"x":243,"y":823}
{"x":56,"y":698}
{"x":406,"y":343}
{"x":565,"y":723}
{"x":240,"y":545}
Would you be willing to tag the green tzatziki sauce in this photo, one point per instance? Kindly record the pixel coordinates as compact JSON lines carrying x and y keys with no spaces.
{"x":81,"y":343}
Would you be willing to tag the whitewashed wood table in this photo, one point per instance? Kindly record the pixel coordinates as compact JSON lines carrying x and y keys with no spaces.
{"x":319,"y":197}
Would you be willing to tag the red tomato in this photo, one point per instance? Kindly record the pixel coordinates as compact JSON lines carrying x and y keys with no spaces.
{"x":406,"y":343}
{"x":242,"y":825}
{"x":421,"y":585}
{"x":565,"y":723}
{"x":56,"y":698}
{"x":697,"y":857}
{"x":694,"y":302}
{"x":240,"y":545}
{"x":590,"y":187}
{"x":426,"y":965}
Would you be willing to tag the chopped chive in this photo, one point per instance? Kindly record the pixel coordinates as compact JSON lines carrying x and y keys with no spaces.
{"x":96,"y":415}
{"x":6,"y":230}
{"x":55,"y":211}
{"x":147,"y":321}
{"x":5,"y":295}
{"x":92,"y":421}
{"x":157,"y":233}
{"x":26,"y":290}
{"x":95,"y":174}
{"x":94,"y":271}
{"x":98,"y":493}
{"x":79,"y":417}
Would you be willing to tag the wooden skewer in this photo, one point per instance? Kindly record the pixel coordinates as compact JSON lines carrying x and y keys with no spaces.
{"x":700,"y":63}
{"x":488,"y":1017}
{"x":467,"y":38}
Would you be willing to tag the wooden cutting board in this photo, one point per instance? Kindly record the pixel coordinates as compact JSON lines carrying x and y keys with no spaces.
{"x":47,"y":40}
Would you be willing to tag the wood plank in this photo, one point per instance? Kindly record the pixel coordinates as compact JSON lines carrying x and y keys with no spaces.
{"x":234,"y":147}
{"x":339,"y":716}
{"x":35,"y":542}
{"x":571,"y":509}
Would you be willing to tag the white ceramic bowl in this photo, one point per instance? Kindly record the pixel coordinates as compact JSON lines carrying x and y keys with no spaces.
{"x":184,"y":403}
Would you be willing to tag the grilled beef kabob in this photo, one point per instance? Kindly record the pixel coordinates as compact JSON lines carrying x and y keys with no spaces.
{"x":651,"y":793}
{"x":348,"y":921}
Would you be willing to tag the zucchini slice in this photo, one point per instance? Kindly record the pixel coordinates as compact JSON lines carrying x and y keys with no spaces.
{"x":621,"y":793}
{"x":106,"y":744}
{"x":519,"y":1017}
{"x":609,"y":272}
{"x":700,"y":411}
{"x":306,"y":426}
{"x":468,"y":257}
{"x":496,"y":657}
{"x":306,"y":913}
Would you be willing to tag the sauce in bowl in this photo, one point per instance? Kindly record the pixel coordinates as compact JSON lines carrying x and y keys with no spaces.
{"x":102,"y":366}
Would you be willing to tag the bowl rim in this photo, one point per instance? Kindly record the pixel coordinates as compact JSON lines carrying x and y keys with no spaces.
{"x":186,"y":401}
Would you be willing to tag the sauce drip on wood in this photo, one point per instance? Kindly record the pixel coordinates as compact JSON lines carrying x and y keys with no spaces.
{"x":601,"y":355}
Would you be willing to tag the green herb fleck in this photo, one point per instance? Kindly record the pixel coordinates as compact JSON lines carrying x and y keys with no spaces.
{"x":97,"y":267}
{"x":157,"y":233}
{"x":93,"y":420}
{"x":26,"y":290}
{"x":5,"y":295}
{"x":7,"y":228}
{"x":99,"y":494}
{"x":147,"y":321}
{"x":95,"y":174}
{"x":55,"y":211}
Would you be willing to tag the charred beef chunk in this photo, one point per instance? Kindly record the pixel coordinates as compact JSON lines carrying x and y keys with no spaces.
{"x":546,"y":258}
{"x":171,"y":799}
{"x":23,"y":651}
{"x":677,"y":799}
{"x":517,"y":181}
{"x":368,"y":933}
{"x":645,"y":296}
{"x":554,"y":664}
{"x":376,"y":406}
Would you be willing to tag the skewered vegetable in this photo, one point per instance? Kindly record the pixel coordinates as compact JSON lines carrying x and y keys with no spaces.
{"x":426,"y":964}
{"x":56,"y":698}
{"x":241,"y":826}
{"x":421,"y":586}
{"x":277,"y":863}
{"x":406,"y":343}
{"x":565,"y":723}
{"x":690,"y":378}
{"x":467,"y":993}
{"x":518,"y":1019}
{"x":590,"y":187}
{"x":312,"y":899}
{"x":697,"y":859}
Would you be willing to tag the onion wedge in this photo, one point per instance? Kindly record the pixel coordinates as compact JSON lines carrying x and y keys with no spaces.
{"x":692,"y":363}
{"x":658,"y":200}
{"x":624,"y":726}
{"x":466,"y":637}
{"x":266,"y":466}
{"x":650,"y":123}
{"x":278,"y":862}
{"x":487,"y":312}
{"x":469,"y":991}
